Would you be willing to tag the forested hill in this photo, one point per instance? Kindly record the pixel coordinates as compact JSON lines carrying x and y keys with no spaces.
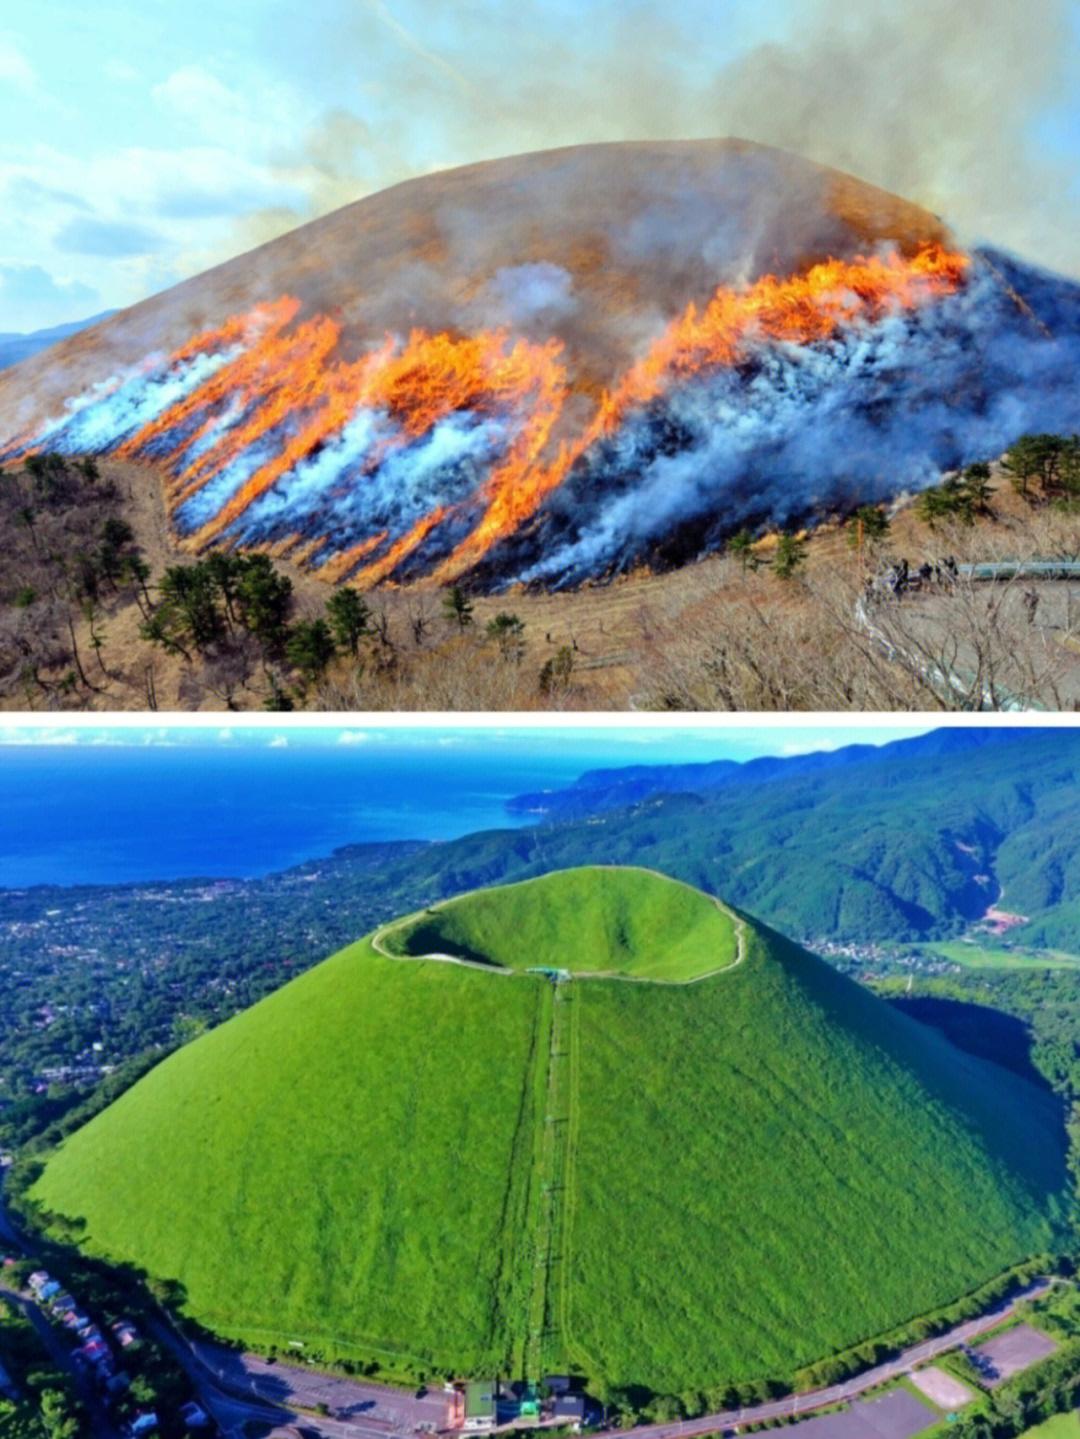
{"x":604,"y":789}
{"x":909,"y":841}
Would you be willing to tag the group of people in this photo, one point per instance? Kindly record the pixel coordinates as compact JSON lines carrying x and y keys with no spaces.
{"x":899,"y":577}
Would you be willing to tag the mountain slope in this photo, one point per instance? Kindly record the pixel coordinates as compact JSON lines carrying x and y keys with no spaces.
{"x":664,"y":1185}
{"x":16,"y":347}
{"x":633,"y":226}
{"x":604,"y":789}
{"x":910,"y":840}
{"x":555,"y":365}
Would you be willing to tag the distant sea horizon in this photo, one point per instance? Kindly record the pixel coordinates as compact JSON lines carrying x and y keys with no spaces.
{"x":79,"y":814}
{"x":112,"y":804}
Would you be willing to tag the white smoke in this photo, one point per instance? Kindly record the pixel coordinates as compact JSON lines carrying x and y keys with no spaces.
{"x":949,"y":103}
{"x":945,"y":102}
{"x":526,"y":294}
{"x":105,"y":415}
{"x":303,"y":489}
{"x":883,"y":407}
{"x":787,"y":433}
{"x":365,"y":481}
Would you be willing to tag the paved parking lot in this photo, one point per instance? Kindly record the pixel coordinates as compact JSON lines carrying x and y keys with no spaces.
{"x":379,"y":1408}
{"x":896,"y":1415}
{"x":1012,"y":1351}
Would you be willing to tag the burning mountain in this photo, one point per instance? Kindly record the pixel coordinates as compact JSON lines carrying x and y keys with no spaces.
{"x":549,"y":367}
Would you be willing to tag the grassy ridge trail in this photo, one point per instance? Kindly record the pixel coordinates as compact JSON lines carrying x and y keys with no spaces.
{"x":552,"y":1178}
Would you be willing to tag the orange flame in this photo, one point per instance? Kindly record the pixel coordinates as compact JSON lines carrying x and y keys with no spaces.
{"x":256,"y":330}
{"x":339,"y":565}
{"x":801,"y":309}
{"x":285,"y":384}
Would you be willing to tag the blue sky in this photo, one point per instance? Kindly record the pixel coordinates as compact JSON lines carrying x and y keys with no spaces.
{"x":142,"y":142}
{"x":604,"y":741}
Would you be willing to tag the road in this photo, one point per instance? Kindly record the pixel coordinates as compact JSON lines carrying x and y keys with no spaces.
{"x":60,"y":1352}
{"x":816,"y":1399}
{"x":236,"y":1387}
{"x":7,"y":1234}
{"x":370,"y":1409}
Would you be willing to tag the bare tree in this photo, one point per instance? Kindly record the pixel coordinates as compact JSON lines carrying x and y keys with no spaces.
{"x":422,"y":610}
{"x":940,"y":645}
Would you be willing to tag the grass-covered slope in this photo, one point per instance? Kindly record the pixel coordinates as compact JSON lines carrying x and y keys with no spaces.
{"x":787,"y":1168}
{"x":338,"y":1163}
{"x":675,"y":1185}
{"x":590,"y":920}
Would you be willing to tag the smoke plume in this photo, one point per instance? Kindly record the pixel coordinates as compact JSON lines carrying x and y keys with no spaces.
{"x":947,"y":102}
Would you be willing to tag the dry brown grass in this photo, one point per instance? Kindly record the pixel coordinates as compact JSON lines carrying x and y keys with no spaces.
{"x":711,"y":636}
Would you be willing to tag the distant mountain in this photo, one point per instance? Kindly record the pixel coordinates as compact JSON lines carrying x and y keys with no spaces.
{"x":603,"y":789}
{"x":15,"y":347}
{"x":908,"y":841}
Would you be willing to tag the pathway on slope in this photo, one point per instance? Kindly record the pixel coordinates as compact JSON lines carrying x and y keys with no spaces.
{"x":554,"y":1160}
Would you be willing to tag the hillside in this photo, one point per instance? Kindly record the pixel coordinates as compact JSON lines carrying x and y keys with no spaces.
{"x":665,"y":1185}
{"x":561,"y":366}
{"x":911,"y":840}
{"x":629,"y":224}
{"x":605,"y":789}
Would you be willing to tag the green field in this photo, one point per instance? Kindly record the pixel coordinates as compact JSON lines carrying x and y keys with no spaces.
{"x":590,"y":920}
{"x":657,"y":1184}
{"x":1061,"y":1426}
{"x":974,"y":956}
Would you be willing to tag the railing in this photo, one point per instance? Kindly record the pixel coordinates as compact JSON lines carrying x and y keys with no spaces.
{"x":1021,"y":569}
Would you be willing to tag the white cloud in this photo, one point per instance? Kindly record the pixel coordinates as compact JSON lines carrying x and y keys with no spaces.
{"x":246,"y":120}
{"x":792,"y":748}
{"x":180,"y":205}
{"x":121,"y":71}
{"x":15,"y":69}
{"x":43,"y":734}
{"x":19,"y":283}
{"x":31,"y":298}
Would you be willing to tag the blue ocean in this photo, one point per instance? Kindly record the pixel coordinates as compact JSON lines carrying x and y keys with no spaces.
{"x":111,"y":806}
{"x":106,"y":814}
